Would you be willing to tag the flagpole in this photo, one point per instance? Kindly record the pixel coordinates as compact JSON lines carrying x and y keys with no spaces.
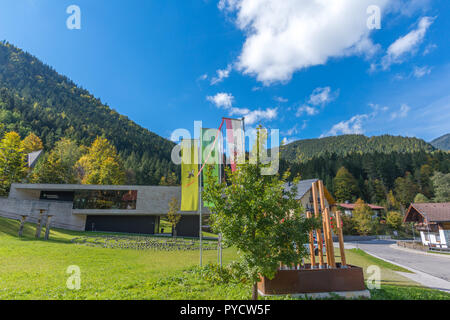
{"x":200,"y":200}
{"x":221,"y":153}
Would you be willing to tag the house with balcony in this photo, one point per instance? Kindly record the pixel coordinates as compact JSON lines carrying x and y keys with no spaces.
{"x":432,"y":220}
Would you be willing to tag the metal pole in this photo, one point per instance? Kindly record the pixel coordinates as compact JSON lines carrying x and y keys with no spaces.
{"x":200,"y":201}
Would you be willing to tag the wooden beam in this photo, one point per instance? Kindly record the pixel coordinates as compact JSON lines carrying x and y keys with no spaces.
{"x":47,"y":228}
{"x":39,"y":225}
{"x":318,"y":231}
{"x":311,"y":244}
{"x":22,"y":224}
{"x":327,"y":227}
{"x":341,"y":238}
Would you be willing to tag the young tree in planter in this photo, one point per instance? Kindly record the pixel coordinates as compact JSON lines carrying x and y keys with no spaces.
{"x":259,"y":216}
{"x":173,"y":216}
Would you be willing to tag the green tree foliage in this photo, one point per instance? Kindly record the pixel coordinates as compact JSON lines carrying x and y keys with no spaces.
{"x":441,"y":183}
{"x":35,"y":98}
{"x":424,"y":180}
{"x":394,"y":220}
{"x":391,"y":202}
{"x":101,"y":164}
{"x":345,"y":186}
{"x":420,"y":198}
{"x":173,"y":214}
{"x":348,"y":225}
{"x":258,"y":216}
{"x":58,"y":166}
{"x":171,"y":180}
{"x":362,"y":217}
{"x":406,"y":189}
{"x":12,"y":161}
{"x":32,"y":143}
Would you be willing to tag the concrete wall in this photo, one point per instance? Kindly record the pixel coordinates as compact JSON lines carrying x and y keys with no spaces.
{"x":61,"y":212}
{"x":151,"y":200}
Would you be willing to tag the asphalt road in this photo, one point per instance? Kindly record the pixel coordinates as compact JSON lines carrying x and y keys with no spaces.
{"x":429,"y":263}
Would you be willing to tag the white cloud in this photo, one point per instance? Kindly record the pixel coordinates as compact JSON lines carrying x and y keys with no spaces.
{"x":429,"y":48}
{"x":351,"y":126}
{"x":286,"y":36}
{"x":203,"y":77}
{"x":409,"y":7}
{"x":291,"y":131}
{"x":318,"y":98}
{"x":226,"y":100}
{"x":251,"y":117}
{"x":310,"y":111}
{"x":222,"y":100}
{"x":401,"y":113}
{"x":281,"y":99}
{"x":377,"y":107}
{"x":221,"y":75}
{"x":406,"y":45}
{"x":322,"y":96}
{"x":419,"y":72}
{"x":286,"y":141}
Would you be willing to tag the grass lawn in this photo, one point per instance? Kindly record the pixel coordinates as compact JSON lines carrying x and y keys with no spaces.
{"x":36,"y":269}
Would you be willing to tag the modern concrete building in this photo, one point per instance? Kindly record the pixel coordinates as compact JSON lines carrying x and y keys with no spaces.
{"x":130,"y":209}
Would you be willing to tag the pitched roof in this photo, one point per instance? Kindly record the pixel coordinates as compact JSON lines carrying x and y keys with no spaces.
{"x":351,"y":206}
{"x":33,"y":158}
{"x":304,"y":186}
{"x":432,"y":212}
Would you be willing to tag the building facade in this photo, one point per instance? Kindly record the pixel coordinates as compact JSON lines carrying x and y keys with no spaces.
{"x":432,"y":220}
{"x":128,"y":209}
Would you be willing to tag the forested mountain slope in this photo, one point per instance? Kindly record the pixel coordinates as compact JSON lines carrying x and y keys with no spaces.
{"x":35,"y":98}
{"x":304,"y":150}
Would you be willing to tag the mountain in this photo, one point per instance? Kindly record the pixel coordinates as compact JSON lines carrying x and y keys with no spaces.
{"x":35,"y":98}
{"x":304,"y":150}
{"x":442,"y":143}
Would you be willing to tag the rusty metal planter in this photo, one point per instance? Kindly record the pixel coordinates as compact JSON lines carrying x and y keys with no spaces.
{"x":314,"y":281}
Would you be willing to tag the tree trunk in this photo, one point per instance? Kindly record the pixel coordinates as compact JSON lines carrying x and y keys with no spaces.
{"x":255,"y":291}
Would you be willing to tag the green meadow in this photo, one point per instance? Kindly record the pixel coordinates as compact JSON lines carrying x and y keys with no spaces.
{"x":36,"y":269}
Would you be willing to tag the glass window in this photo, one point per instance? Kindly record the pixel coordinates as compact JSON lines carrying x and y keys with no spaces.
{"x":105,"y":199}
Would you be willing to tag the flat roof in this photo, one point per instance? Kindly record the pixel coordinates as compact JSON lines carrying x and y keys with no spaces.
{"x":73,"y":187}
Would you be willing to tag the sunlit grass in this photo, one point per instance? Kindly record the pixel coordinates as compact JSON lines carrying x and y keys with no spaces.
{"x":36,"y":269}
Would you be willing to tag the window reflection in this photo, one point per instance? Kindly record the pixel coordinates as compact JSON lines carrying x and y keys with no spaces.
{"x":105,"y":199}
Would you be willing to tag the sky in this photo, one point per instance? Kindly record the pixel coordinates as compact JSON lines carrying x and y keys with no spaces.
{"x":310,"y":68}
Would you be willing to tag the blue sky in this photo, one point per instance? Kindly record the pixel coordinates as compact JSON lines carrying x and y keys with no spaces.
{"x":310,"y":68}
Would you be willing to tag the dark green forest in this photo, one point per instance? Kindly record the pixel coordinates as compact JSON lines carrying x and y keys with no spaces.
{"x":377,"y":173}
{"x":304,"y":150}
{"x":35,"y":98}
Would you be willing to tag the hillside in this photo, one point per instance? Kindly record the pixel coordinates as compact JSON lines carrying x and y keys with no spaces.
{"x":304,"y":150}
{"x":442,"y":143}
{"x":35,"y":98}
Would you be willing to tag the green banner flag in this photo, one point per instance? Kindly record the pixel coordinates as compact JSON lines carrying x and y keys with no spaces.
{"x":189,"y":175}
{"x":210,"y":155}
